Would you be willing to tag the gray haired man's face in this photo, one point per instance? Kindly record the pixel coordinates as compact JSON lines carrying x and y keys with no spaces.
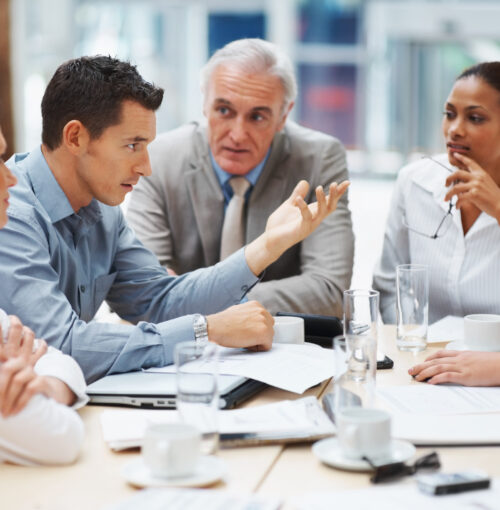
{"x":244,"y":112}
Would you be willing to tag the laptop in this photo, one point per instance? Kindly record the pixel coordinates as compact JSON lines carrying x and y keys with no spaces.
{"x":158,"y":390}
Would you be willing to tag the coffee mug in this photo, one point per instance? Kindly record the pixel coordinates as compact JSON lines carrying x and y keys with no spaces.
{"x":288,"y":330}
{"x":4,"y":324}
{"x":364,"y":432}
{"x":482,"y":332}
{"x":171,"y":450}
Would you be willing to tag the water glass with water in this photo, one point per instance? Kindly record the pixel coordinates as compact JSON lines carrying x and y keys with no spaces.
{"x":355,"y":370}
{"x":361,"y":312}
{"x":412,"y":303}
{"x":197,"y":390}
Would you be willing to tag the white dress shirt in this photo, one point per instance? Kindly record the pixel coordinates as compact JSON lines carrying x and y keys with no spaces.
{"x":46,"y":432}
{"x":463,"y":270}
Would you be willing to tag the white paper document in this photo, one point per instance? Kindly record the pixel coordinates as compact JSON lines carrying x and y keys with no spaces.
{"x":291,"y":367}
{"x":197,"y":499}
{"x":433,"y":430}
{"x":404,"y":495}
{"x":443,"y":415}
{"x":288,"y":418}
{"x":440,"y":400}
{"x":447,"y":329}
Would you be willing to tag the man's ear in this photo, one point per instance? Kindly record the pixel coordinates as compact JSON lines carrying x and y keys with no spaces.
{"x":75,"y":137}
{"x":285,"y":116}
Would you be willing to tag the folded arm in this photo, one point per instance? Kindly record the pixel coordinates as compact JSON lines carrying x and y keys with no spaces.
{"x":44,"y":432}
{"x":36,"y":426}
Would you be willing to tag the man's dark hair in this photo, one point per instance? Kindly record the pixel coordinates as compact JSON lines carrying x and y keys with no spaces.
{"x":92,"y":90}
{"x":487,"y":71}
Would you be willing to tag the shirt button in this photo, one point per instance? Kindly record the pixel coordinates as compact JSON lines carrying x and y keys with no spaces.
{"x":82,"y":288}
{"x":244,"y":288}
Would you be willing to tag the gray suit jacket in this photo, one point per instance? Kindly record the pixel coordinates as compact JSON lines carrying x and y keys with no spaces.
{"x":178,"y":213}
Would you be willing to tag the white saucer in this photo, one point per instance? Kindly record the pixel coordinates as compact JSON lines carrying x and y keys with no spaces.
{"x":328,"y":451}
{"x":210,"y":469}
{"x":457,"y":345}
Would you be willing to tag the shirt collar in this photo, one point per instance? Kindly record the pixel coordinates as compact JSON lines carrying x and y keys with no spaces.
{"x":431,"y":176}
{"x":51,"y":195}
{"x":252,"y":176}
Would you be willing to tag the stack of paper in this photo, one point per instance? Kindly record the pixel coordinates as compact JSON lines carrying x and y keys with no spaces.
{"x":440,"y":400}
{"x":291,"y":367}
{"x":197,"y":499}
{"x":284,"y":421}
{"x":405,"y":496}
{"x":443,"y":415}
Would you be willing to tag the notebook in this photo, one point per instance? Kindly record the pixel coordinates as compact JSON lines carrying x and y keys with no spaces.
{"x":286,"y":421}
{"x":157,"y":390}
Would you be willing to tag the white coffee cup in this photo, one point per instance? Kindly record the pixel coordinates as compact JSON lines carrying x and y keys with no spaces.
{"x":4,"y":324}
{"x":482,"y":332}
{"x":364,"y":432}
{"x":171,"y":450}
{"x":288,"y":330}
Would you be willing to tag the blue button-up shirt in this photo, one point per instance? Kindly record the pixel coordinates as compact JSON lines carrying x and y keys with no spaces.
{"x":57,"y":267}
{"x":223,"y":178}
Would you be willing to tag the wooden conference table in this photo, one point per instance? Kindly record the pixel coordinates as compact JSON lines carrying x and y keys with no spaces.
{"x":95,"y":482}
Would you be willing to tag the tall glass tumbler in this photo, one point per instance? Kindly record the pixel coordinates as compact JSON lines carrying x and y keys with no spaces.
{"x":197,"y":390}
{"x":361,"y":312}
{"x":412,"y":289}
{"x":355,"y":369}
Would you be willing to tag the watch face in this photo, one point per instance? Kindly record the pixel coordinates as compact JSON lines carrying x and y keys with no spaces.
{"x":200,"y":329}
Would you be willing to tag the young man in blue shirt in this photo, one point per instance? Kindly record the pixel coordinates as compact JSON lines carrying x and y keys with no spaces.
{"x":67,"y":248}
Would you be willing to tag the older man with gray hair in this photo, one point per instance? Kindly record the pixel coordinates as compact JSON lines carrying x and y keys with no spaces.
{"x":215,"y":183}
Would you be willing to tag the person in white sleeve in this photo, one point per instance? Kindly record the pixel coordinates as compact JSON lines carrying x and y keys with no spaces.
{"x":37,"y":384}
{"x":446,"y":214}
{"x":445,"y":211}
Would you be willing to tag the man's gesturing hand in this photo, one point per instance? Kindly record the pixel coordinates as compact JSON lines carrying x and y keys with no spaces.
{"x":292,"y":222}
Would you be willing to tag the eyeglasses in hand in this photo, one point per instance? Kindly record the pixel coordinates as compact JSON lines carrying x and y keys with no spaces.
{"x":445,"y":222}
{"x":395,"y":470}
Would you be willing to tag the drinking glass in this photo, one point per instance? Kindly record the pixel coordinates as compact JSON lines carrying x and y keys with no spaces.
{"x":197,"y":390}
{"x":361,"y":312}
{"x":355,"y":369}
{"x":412,"y":286}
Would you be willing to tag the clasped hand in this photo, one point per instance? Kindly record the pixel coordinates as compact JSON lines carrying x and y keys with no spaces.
{"x":18,"y":379}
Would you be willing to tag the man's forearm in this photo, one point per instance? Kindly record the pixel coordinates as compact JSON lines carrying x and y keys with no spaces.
{"x":258,"y":255}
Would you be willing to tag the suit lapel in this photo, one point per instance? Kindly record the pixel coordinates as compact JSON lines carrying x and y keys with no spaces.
{"x":206,"y":198}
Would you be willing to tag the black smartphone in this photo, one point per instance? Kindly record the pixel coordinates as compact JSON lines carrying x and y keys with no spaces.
{"x":384,"y":363}
{"x":451,"y":483}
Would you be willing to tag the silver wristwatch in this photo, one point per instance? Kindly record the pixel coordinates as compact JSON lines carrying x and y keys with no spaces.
{"x":200,"y":329}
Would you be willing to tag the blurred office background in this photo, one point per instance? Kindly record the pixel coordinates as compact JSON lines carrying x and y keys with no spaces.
{"x":374,"y":73}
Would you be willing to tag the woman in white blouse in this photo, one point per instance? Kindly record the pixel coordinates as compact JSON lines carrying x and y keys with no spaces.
{"x":445,"y":213}
{"x":36,"y":385}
